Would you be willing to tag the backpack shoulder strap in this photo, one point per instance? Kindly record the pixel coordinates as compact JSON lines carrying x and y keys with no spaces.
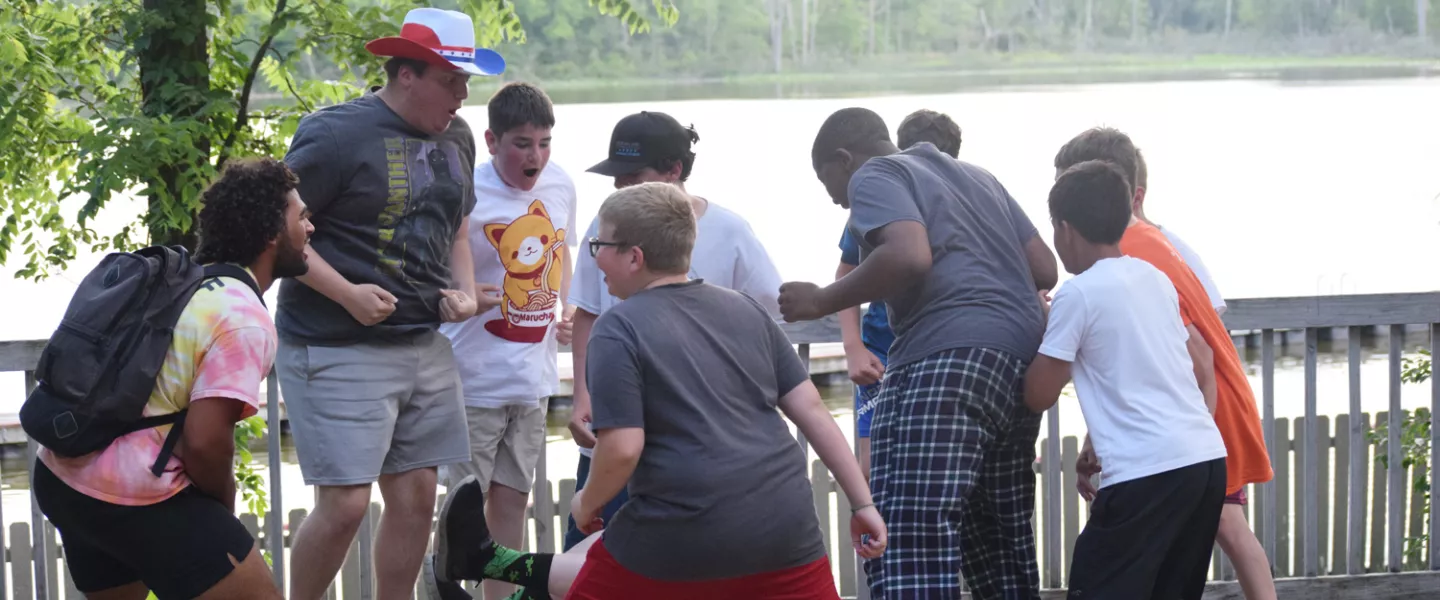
{"x":233,"y":272}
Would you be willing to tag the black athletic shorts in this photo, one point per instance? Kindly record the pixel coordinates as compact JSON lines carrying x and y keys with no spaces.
{"x":1150,"y":537}
{"x":179,"y":548}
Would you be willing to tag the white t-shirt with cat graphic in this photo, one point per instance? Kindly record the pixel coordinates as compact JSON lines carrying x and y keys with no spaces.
{"x":507,"y":354}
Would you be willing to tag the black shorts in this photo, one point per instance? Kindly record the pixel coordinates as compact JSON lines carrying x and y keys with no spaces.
{"x":179,"y":548}
{"x":1151,"y":537}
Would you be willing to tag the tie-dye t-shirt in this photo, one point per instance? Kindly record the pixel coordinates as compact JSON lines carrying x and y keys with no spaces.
{"x":224,"y":347}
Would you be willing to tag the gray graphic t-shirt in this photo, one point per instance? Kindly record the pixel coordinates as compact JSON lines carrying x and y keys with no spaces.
{"x":386,"y":201}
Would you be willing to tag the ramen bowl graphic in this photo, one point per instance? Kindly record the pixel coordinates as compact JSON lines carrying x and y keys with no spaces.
{"x":526,"y":324}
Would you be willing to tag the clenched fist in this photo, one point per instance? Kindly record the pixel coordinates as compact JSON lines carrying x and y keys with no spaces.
{"x":369,"y":303}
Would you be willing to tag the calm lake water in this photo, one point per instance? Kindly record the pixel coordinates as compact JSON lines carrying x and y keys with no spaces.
{"x":1285,"y":187}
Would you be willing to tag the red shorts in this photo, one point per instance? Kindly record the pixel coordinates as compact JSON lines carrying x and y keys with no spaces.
{"x":1238,"y":497}
{"x":602,"y":578}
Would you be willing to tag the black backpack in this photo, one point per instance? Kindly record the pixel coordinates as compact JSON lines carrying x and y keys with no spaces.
{"x":99,"y":369}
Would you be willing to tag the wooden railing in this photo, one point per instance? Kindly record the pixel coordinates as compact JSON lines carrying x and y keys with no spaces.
{"x":1334,"y":521}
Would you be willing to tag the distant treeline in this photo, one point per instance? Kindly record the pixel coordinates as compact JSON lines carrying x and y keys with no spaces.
{"x":569,"y":40}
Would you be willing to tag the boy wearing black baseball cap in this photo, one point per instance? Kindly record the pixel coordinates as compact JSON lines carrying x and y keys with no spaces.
{"x":645,"y":147}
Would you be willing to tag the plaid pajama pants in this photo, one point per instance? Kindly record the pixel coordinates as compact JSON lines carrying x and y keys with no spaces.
{"x":952,"y":448}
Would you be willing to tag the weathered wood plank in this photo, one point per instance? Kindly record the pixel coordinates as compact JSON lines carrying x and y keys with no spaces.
{"x":844,"y":554}
{"x":1332,"y":311}
{"x":20,"y":355}
{"x":1359,"y":478}
{"x":20,"y":557}
{"x":1357,"y":452}
{"x":1339,"y":548}
{"x":1377,"y":506}
{"x":1401,"y":586}
{"x":1434,"y":543}
{"x":1302,"y":497}
{"x":1280,"y":454}
{"x":1310,"y":517}
{"x":251,"y":523}
{"x":1417,"y":514}
{"x":1070,"y":519}
{"x":567,"y":497}
{"x":1396,"y":474}
{"x":52,"y":575}
{"x":1322,"y":497}
{"x":823,"y":331}
{"x":1267,"y":424}
{"x":37,"y":542}
{"x":275,"y":529}
{"x":1051,"y":518}
{"x":820,"y":486}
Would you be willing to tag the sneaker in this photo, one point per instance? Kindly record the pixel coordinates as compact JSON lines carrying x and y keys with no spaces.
{"x":463,"y":545}
{"x":438,"y":589}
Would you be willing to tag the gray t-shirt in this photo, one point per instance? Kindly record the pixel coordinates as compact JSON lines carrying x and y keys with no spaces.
{"x":720,"y":490}
{"x":979,"y":292}
{"x":386,"y":201}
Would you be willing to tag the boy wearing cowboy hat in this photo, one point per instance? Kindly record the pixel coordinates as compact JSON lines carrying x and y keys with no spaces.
{"x":370,"y":385}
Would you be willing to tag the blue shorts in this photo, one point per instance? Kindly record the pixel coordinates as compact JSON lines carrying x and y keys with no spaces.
{"x":865,"y":396}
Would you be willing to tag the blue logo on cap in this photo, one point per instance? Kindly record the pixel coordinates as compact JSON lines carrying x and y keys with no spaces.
{"x":628,"y":149}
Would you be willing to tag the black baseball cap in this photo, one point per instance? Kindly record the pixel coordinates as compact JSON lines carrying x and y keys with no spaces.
{"x":641,"y":140}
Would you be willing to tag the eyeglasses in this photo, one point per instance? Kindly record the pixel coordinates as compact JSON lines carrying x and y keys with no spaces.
{"x":597,"y":243}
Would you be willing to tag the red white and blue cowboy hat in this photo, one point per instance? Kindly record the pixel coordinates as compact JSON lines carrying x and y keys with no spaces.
{"x":444,"y":38}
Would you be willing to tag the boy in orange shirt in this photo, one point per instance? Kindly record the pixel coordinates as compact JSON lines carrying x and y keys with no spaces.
{"x":1235,"y":413}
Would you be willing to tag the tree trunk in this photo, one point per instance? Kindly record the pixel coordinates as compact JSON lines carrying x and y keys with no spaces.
{"x":777,"y":34}
{"x":796,"y":38}
{"x":1134,"y":20}
{"x":174,"y":48}
{"x":1089,"y":23}
{"x":814,"y":19}
{"x":872,"y":28}
{"x":804,"y":32}
{"x":1229,"y":16}
{"x":1422,"y":7}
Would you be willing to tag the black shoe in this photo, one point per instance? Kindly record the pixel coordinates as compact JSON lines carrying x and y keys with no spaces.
{"x":437,"y":588}
{"x":463,"y":545}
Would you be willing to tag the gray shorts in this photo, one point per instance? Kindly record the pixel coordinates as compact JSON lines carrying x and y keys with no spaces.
{"x":374,"y":408}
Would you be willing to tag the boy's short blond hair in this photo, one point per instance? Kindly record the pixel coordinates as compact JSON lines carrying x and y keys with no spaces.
{"x":657,"y":218}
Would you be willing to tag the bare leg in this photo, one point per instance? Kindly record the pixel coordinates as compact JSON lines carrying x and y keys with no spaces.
{"x":129,"y":591}
{"x":565,"y":567}
{"x":250,"y":580}
{"x":505,"y":514}
{"x":320,"y":546}
{"x":1252,"y":566}
{"x":404,"y":531}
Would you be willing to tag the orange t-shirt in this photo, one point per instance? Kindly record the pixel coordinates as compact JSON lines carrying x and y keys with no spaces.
{"x":1235,"y":413}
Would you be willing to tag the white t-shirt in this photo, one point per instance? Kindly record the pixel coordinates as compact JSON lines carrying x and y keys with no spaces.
{"x":1192,"y":259}
{"x":1119,"y":324}
{"x":726,"y":254}
{"x":507,"y":355}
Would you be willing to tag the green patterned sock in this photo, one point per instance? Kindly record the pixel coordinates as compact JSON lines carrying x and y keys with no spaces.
{"x":525,"y":570}
{"x":524,"y":593}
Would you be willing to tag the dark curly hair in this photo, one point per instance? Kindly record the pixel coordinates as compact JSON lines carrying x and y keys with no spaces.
{"x":244,"y":210}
